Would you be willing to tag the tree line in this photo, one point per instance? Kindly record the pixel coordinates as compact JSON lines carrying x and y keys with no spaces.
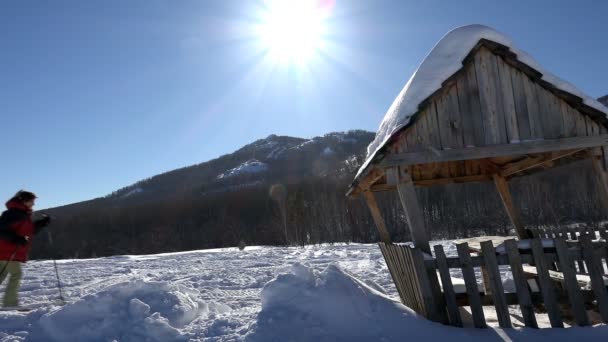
{"x":313,"y":210}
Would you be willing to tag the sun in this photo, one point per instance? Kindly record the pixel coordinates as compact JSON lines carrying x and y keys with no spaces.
{"x":293,"y":32}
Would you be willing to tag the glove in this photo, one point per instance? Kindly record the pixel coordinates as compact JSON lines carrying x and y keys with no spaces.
{"x":19,"y":240}
{"x":44,"y":221}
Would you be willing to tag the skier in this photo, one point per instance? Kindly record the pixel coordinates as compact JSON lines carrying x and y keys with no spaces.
{"x":16,"y":232}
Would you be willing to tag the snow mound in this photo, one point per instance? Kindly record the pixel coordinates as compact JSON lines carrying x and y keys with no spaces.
{"x":135,"y":311}
{"x":250,"y":166}
{"x":443,"y":61}
{"x":330,"y":306}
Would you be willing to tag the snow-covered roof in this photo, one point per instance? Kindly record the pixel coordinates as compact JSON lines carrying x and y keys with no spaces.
{"x":443,"y":61}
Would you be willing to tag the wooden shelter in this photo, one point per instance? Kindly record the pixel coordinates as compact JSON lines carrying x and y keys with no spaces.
{"x":495,"y":118}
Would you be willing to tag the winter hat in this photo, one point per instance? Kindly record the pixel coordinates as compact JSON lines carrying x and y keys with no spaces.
{"x":23,"y":196}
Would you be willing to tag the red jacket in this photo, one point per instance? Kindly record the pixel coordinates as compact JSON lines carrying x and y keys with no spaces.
{"x":24,"y":227}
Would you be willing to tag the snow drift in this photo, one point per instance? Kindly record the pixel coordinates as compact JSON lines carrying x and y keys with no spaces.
{"x":332,"y":305}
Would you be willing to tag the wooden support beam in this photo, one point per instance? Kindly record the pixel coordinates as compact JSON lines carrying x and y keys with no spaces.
{"x":500,"y":150}
{"x":488,"y":167}
{"x":413,"y":213}
{"x":532,"y":162}
{"x":364,"y":184}
{"x":377,"y":215}
{"x":600,"y":174}
{"x":505,"y":195}
{"x":436,"y":181}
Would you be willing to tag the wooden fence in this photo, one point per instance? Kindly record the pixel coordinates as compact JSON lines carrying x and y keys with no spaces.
{"x":569,"y":233}
{"x":546,"y":278}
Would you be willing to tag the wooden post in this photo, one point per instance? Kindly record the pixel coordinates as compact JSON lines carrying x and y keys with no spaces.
{"x":377,"y":215}
{"x":503,"y":189}
{"x":600,"y":174}
{"x":409,"y":201}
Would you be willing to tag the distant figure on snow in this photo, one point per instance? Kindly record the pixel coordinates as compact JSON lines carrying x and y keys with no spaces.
{"x":16,"y":232}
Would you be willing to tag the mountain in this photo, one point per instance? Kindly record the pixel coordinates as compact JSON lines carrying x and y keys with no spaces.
{"x":232,"y":191}
{"x":604,"y":100}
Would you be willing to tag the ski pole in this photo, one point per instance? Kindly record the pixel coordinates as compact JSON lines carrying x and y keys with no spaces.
{"x":56,"y":270}
{"x":58,"y":282}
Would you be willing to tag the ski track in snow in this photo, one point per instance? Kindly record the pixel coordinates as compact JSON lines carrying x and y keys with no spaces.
{"x":207,"y":295}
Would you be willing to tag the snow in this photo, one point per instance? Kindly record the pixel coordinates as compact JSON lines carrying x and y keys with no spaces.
{"x":135,"y":191}
{"x":443,"y":61}
{"x":314,"y":293}
{"x":250,"y":166}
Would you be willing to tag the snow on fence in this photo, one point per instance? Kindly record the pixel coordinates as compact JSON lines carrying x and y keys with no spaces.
{"x":563,"y":277}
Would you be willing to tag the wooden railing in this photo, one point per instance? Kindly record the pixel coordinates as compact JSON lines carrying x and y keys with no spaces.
{"x":546,"y":278}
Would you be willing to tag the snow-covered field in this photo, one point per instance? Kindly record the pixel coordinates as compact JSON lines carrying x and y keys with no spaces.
{"x":315,"y":293}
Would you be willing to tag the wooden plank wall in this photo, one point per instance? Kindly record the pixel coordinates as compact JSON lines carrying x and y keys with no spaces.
{"x":488,"y":102}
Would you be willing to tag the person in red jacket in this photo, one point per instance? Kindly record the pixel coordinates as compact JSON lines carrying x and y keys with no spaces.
{"x":16,"y":232}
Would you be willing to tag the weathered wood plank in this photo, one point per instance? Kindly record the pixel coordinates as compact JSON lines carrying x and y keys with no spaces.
{"x":581,"y":125}
{"x":557,"y":115}
{"x":494,"y":151}
{"x":502,"y":310}
{"x":592,"y":127}
{"x":505,"y":195}
{"x":413,"y":286}
{"x":550,"y":117}
{"x":572,"y":287}
{"x":511,"y":298}
{"x":426,"y":287}
{"x":600,"y":176}
{"x":487,"y":78}
{"x":546,"y":285}
{"x":508,"y":101}
{"x":433,"y":126}
{"x":413,"y":213}
{"x":595,"y":269}
{"x":448,"y":118}
{"x":468,"y":100}
{"x":406,"y":277}
{"x":533,"y":105}
{"x":443,"y":120}
{"x":448,"y":288}
{"x":370,"y":199}
{"x":411,"y":137}
{"x":532,"y":162}
{"x":521,"y":108}
{"x":521,"y":286}
{"x":422,"y":130}
{"x":456,"y":131}
{"x":468,"y":274}
{"x":569,"y":119}
{"x":390,"y":264}
{"x":595,"y":128}
{"x":604,"y":130}
{"x":403,"y":279}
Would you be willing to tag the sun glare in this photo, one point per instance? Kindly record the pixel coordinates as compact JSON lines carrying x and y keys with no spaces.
{"x":293,"y":31}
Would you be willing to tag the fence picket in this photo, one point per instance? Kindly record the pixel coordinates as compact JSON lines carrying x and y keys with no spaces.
{"x":572,"y":286}
{"x":498,"y":293}
{"x":479,"y":320}
{"x":546,"y":287}
{"x":597,"y":280}
{"x":521,"y":285}
{"x":448,"y":288}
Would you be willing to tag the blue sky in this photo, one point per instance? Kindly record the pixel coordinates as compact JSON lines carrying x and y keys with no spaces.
{"x":96,"y":95}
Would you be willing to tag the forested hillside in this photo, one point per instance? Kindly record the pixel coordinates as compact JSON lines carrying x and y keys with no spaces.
{"x":283,"y":190}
